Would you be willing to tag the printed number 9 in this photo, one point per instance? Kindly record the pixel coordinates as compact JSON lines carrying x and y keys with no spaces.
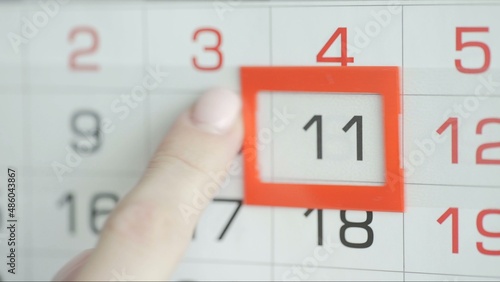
{"x":86,"y":124}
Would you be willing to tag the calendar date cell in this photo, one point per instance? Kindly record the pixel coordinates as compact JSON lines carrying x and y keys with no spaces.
{"x":462,"y":230}
{"x":332,"y":138}
{"x":350,"y":239}
{"x":81,"y":48}
{"x":229,"y":230}
{"x":337,"y":36}
{"x":70,"y":216}
{"x":452,"y":140}
{"x":87,"y":132}
{"x":450,"y":50}
{"x":195,"y":44}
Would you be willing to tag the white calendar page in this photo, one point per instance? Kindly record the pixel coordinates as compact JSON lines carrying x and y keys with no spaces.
{"x":89,"y":88}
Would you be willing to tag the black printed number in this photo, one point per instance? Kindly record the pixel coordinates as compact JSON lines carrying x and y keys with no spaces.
{"x":363,"y":225}
{"x":231,"y":218}
{"x":101,"y":206}
{"x":99,"y":212}
{"x":343,"y":229}
{"x":86,"y":125}
{"x":318,"y":120}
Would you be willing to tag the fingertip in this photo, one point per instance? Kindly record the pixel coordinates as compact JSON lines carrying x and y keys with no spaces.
{"x":216,"y":111}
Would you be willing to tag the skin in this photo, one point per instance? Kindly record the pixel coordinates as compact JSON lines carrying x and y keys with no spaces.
{"x":147,"y":233}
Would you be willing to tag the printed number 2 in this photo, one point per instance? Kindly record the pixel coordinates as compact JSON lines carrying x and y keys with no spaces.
{"x":343,"y":59}
{"x":214,"y":49}
{"x":460,"y":45}
{"x":89,"y":31}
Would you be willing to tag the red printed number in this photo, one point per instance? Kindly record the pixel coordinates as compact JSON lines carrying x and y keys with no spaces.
{"x":83,"y":31}
{"x":453,"y":212}
{"x":453,"y":122}
{"x":343,"y":59}
{"x":460,"y":45}
{"x":485,"y":233}
{"x":454,"y":227}
{"x":480,"y":159}
{"x":215,"y":49}
{"x":479,"y":153}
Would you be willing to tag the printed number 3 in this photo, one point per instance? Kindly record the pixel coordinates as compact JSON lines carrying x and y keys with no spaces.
{"x":214,"y":49}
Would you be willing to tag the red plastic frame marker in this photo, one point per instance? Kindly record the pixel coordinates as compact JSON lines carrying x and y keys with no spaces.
{"x":381,"y":80}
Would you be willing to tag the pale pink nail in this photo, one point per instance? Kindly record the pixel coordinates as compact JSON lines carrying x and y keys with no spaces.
{"x":69,"y":270}
{"x":216,"y":111}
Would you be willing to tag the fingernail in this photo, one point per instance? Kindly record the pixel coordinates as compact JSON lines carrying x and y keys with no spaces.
{"x":216,"y":111}
{"x":70,"y":269}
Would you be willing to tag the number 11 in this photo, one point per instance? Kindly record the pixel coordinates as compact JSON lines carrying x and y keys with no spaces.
{"x":358,"y":120}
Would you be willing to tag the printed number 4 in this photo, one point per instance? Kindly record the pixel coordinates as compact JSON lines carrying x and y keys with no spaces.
{"x":343,"y":59}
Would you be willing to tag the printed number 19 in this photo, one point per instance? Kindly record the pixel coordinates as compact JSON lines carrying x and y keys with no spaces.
{"x":454,"y":213}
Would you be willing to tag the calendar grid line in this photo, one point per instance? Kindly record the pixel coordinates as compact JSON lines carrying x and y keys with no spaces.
{"x":449,"y":95}
{"x":415,"y":4}
{"x":286,"y":265}
{"x":453,"y":274}
{"x":408,"y":183}
{"x":403,"y":128}
{"x":217,"y":261}
{"x":147,"y":103}
{"x":170,"y":91}
{"x":452,"y":185}
{"x":361,"y":3}
{"x":34,"y":171}
{"x":37,"y":171}
{"x":244,"y":262}
{"x":27,"y":158}
{"x":273,"y":248}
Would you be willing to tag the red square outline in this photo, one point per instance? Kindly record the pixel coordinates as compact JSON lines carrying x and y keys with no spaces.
{"x":381,"y":80}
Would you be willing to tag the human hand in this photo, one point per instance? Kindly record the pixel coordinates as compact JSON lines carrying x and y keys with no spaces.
{"x":147,"y":233}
